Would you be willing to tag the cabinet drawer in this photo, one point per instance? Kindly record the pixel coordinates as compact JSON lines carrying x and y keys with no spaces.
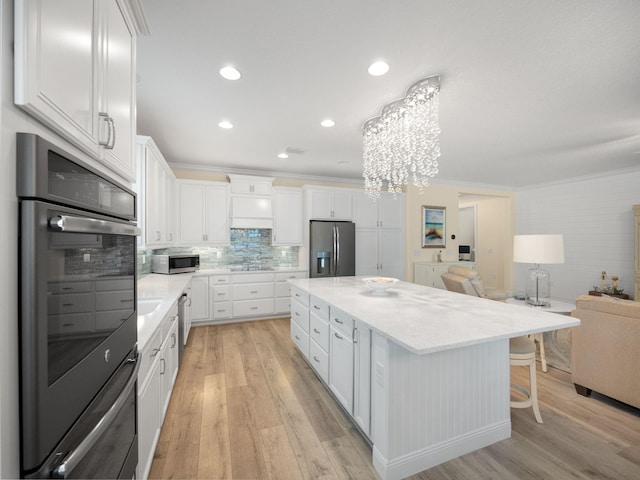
{"x":319,"y":360}
{"x":251,"y":308}
{"x":249,"y":291}
{"x":283,"y":289}
{"x":69,"y":287}
{"x":300,"y":295}
{"x":116,"y":300}
{"x":252,"y":278}
{"x":111,"y":319}
{"x":319,"y":307}
{"x":342,"y":321}
{"x":170,"y":319}
{"x":300,"y":315}
{"x":319,"y":331}
{"x":220,"y":279}
{"x":66,"y":324}
{"x":284,"y":276}
{"x":70,"y":303}
{"x":148,"y":355}
{"x":221,"y":310}
{"x":283,"y":305}
{"x":114,"y":284}
{"x":221,"y":293}
{"x":300,"y":338}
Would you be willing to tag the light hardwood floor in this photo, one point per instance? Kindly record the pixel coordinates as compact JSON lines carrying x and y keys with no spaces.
{"x":247,"y":406}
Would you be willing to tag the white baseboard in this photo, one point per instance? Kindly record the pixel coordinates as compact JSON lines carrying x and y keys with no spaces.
{"x":406,"y":465}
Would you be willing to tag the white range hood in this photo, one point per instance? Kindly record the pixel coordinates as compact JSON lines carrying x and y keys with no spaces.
{"x":251,"y":212}
{"x":251,"y":204}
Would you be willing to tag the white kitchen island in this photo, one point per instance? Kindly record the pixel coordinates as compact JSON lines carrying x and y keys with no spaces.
{"x":438,"y":365}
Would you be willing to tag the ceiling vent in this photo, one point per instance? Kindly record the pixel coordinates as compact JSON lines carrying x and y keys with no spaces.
{"x":296,"y":151}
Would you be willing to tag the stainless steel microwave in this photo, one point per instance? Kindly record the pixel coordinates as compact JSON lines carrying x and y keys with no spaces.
{"x":170,"y":264}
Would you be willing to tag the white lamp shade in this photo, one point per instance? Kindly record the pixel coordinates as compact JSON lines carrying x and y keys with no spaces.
{"x":538,"y":249}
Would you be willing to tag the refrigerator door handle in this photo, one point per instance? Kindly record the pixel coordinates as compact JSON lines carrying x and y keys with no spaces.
{"x":337,"y":249}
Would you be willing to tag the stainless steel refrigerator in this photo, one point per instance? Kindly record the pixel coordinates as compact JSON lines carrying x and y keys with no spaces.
{"x":332,"y":250}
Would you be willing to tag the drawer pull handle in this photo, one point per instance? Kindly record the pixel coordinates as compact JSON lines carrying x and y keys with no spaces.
{"x":316,"y":331}
{"x":297,"y":294}
{"x":292,"y":276}
{"x":297,"y":337}
{"x":297,"y":314}
{"x":340,"y":337}
{"x":155,"y":351}
{"x":337,"y":320}
{"x":221,"y":310}
{"x":316,"y":307}
{"x":125,"y":300}
{"x":173,"y":318}
{"x":67,"y":324}
{"x":253,"y":291}
{"x":254,"y":308}
{"x":221,"y":294}
{"x":316,"y":359}
{"x":67,"y":288}
{"x":67,"y":304}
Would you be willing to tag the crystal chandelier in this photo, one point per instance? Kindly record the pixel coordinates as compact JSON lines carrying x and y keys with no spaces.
{"x":403,"y":144}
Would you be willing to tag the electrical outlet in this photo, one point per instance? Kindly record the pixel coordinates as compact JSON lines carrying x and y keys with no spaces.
{"x":86,"y":257}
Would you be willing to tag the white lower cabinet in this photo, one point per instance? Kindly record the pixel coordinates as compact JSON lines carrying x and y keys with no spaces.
{"x":338,"y":348}
{"x":199,"y":298}
{"x":156,"y":377}
{"x":223,"y":297}
{"x":362,"y":377}
{"x":430,"y":273}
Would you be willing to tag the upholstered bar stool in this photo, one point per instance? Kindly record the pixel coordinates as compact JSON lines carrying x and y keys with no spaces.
{"x":522,"y":352}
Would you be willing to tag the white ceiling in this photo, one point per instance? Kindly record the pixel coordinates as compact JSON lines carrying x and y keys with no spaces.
{"x":531,"y":91}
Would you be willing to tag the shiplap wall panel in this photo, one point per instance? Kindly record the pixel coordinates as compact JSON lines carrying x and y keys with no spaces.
{"x":596,"y":218}
{"x":442,"y":396}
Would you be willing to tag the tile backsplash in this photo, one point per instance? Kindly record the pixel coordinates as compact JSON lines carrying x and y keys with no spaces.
{"x":248,"y":248}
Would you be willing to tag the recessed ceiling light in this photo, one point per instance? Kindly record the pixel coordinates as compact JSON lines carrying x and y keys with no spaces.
{"x":327,"y":123}
{"x":230,"y":73}
{"x":225,"y":124}
{"x":283,"y":155}
{"x":378,"y":68}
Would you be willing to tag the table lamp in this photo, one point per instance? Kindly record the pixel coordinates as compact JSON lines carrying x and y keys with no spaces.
{"x":538,"y":249}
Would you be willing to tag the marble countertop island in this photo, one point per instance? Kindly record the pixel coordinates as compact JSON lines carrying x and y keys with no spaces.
{"x":426,"y":320}
{"x":432,"y":367}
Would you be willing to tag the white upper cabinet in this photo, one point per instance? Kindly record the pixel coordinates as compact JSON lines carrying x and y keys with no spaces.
{"x":156,"y":192}
{"x":386,"y":212}
{"x":329,"y":203}
{"x":203,"y":213}
{"x":249,"y":185}
{"x":118,"y":99}
{"x":75,"y":72}
{"x":287,"y":216}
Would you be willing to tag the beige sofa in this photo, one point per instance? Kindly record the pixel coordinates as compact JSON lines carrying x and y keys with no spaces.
{"x":605,"y":351}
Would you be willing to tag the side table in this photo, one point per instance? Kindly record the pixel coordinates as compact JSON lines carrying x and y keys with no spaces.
{"x":557,"y":306}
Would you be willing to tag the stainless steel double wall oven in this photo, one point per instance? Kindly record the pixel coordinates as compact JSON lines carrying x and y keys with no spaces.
{"x":78,"y":322}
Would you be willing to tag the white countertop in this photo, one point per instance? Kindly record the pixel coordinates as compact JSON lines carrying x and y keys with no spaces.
{"x":425,"y":320}
{"x":169,"y":288}
{"x":226,"y":271}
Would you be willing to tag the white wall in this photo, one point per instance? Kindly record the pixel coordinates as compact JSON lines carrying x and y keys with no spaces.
{"x":596,"y":218}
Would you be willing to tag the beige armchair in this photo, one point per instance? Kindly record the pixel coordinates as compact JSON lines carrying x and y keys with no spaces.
{"x":466,"y":280}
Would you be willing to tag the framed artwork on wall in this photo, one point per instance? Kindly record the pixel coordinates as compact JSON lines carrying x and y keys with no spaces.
{"x":433,"y":227}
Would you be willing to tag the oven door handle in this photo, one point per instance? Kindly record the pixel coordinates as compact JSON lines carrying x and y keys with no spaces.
{"x":68,"y":223}
{"x":74,"y":457}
